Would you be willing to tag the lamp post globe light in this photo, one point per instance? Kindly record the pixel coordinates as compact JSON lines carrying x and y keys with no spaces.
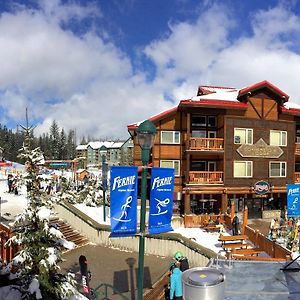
{"x":145,"y":136}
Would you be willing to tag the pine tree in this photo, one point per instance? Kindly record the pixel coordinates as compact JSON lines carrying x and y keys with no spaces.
{"x":40,"y":243}
{"x":71,"y":144}
{"x":54,"y":140}
{"x":62,"y":145}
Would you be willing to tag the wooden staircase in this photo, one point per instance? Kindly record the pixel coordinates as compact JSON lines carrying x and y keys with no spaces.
{"x":158,"y":290}
{"x":69,"y":233}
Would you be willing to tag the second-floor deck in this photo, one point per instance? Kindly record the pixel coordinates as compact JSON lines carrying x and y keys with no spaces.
{"x":206,"y":144}
{"x":217,"y":177}
{"x":206,"y":177}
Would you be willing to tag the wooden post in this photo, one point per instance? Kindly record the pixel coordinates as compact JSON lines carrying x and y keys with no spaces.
{"x":245,"y":219}
{"x":232,"y":210}
{"x":224,"y":203}
{"x":187,"y":203}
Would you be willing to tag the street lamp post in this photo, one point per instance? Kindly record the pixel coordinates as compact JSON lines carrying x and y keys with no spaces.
{"x":145,"y":135}
{"x":104,"y":180}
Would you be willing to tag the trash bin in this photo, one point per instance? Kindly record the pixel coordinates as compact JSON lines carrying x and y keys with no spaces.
{"x":203,"y":283}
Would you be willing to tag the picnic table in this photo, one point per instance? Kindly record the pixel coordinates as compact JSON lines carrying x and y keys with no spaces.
{"x":231,"y":246}
{"x":224,"y":239}
{"x":247,"y":251}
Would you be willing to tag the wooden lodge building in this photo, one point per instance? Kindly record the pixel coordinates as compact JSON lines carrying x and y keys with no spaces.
{"x":229,"y":144}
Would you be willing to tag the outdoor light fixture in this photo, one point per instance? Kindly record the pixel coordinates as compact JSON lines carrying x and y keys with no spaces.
{"x":103,"y":152}
{"x":145,"y":136}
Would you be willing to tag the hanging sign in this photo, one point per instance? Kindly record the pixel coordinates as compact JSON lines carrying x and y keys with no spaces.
{"x":293,"y":201}
{"x":123,"y":200}
{"x":161,"y":200}
{"x":261,"y":187}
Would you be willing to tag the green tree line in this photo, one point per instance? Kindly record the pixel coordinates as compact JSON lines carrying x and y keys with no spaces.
{"x":57,"y":144}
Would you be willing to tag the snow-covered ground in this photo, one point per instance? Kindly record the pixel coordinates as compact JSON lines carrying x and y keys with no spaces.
{"x":12,"y":205}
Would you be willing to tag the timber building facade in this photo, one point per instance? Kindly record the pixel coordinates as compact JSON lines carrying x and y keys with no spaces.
{"x":228,"y":144}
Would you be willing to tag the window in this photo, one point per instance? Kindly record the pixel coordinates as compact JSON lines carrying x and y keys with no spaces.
{"x":204,"y":121}
{"x":171,"y":164}
{"x":278,"y":169}
{"x":242,"y":169}
{"x":243,"y":136}
{"x":278,"y":138}
{"x":199,"y":133}
{"x":198,"y":120}
{"x":170,"y":137}
{"x":211,"y":121}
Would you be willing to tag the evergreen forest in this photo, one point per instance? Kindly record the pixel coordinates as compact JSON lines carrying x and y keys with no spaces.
{"x":55,"y":144}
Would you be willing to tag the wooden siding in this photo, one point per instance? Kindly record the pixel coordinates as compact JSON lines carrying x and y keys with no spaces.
{"x":165,"y":151}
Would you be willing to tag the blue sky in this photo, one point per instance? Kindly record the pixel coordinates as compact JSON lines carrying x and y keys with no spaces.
{"x":98,"y":66}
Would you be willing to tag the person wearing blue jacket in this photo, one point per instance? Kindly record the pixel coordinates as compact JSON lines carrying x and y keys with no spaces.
{"x":175,"y":283}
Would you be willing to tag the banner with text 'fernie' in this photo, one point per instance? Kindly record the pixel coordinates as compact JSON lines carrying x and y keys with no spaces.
{"x":293,"y":200}
{"x":123,"y":200}
{"x":161,"y":200}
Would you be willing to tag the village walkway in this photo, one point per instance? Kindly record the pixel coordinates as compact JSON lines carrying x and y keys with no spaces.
{"x":115,"y":267}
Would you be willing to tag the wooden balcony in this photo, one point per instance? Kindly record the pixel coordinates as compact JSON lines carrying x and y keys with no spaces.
{"x":206,"y":144}
{"x":206,"y":177}
{"x":297,"y":149}
{"x":297,"y":176}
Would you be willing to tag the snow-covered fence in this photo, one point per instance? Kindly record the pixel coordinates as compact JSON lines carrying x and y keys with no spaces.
{"x":6,"y":253}
{"x":161,"y":245}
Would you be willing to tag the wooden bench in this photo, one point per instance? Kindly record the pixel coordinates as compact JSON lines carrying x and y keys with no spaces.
{"x":232,"y":238}
{"x":256,"y":258}
{"x":211,"y":228}
{"x":247,"y":251}
{"x":231,"y":246}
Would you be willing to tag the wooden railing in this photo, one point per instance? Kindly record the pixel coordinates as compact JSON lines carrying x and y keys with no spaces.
{"x":297,"y":149}
{"x":6,"y":253}
{"x":270,"y":247}
{"x":297,"y":176}
{"x":195,"y":221}
{"x":211,"y":144}
{"x":201,"y":177}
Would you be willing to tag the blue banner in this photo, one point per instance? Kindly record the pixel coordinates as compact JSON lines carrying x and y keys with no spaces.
{"x":123,"y":201}
{"x":161,"y":200}
{"x":293,"y":200}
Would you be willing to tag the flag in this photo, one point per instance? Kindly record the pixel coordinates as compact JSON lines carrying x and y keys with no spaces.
{"x":123,"y":200}
{"x":161,"y":200}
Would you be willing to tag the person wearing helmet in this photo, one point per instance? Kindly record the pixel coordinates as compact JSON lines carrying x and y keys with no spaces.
{"x":184,"y":263}
{"x":175,"y":282}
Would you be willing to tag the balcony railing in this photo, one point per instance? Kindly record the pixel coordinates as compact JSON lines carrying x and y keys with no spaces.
{"x":297,"y":150}
{"x":205,"y":177}
{"x":211,"y":144}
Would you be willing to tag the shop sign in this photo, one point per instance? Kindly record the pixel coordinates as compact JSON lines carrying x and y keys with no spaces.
{"x":261,"y":187}
{"x":260,"y":149}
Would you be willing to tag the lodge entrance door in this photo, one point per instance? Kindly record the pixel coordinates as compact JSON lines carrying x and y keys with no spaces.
{"x":254,"y":208}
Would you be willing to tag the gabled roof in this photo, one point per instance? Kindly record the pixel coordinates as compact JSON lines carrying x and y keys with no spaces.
{"x":154,"y":118}
{"x":227,"y":98}
{"x":208,"y":89}
{"x":264,"y":84}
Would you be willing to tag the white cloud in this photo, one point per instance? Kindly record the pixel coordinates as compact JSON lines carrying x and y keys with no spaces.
{"x":87,"y":83}
{"x":207,"y":52}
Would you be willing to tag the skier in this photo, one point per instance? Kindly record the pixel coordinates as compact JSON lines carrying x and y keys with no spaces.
{"x":184,"y":263}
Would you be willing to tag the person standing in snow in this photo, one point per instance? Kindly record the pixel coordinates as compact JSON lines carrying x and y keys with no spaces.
{"x":235,"y":225}
{"x":175,"y":282}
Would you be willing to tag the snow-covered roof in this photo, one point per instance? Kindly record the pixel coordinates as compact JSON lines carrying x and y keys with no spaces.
{"x":81,"y":147}
{"x":220,"y":94}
